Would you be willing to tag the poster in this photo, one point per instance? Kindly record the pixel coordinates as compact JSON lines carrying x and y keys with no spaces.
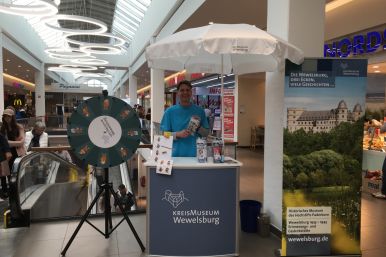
{"x":229,"y":115}
{"x":324,"y":105}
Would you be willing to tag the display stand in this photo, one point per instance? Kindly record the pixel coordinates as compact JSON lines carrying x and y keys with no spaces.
{"x":104,"y":132}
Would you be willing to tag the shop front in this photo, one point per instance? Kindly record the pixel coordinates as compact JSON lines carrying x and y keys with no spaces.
{"x":370,"y":44}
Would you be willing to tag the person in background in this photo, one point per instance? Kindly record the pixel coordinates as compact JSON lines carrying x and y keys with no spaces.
{"x":141,"y":112}
{"x":64,"y":155}
{"x":176,"y":119}
{"x":14,"y":133}
{"x":148,"y":114}
{"x":36,"y":137}
{"x":5,"y":155}
{"x":125,"y":197}
{"x":382,"y":193}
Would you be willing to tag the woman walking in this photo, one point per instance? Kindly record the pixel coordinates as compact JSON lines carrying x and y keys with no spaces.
{"x":14,"y":133}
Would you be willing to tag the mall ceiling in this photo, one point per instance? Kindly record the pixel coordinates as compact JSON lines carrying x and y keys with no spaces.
{"x":217,"y":11}
{"x":14,"y":66}
{"x":102,"y":10}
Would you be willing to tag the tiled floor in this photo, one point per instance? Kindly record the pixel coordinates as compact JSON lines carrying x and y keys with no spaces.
{"x":49,"y":238}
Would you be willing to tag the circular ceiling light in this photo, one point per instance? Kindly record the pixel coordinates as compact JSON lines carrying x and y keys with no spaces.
{"x":100,"y":49}
{"x":64,"y":52}
{"x":92,"y":74}
{"x":34,"y":8}
{"x":118,"y":41}
{"x":102,"y":27}
{"x":62,"y":69}
{"x":78,"y":67}
{"x":90,"y":61}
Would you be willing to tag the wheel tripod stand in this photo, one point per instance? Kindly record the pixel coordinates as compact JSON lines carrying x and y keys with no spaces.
{"x":105,"y":188}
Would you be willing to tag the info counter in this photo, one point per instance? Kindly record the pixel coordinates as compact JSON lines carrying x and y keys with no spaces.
{"x":194,"y":211}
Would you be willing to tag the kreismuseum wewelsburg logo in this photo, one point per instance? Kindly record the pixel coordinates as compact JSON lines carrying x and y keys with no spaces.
{"x":192,"y":216}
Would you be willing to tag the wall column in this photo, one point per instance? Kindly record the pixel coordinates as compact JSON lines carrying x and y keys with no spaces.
{"x":40,"y":96}
{"x":1,"y":74}
{"x":123,"y":91}
{"x":132,"y":89}
{"x":300,"y":22}
{"x":157,"y":97}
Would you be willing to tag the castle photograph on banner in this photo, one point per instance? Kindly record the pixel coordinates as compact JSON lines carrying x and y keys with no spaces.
{"x":324,"y":105}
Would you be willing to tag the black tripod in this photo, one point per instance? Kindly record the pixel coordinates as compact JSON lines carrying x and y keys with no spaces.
{"x":107,"y":188}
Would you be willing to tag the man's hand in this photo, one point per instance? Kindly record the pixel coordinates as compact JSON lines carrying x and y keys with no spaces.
{"x":182,"y":134}
{"x":8,"y":155}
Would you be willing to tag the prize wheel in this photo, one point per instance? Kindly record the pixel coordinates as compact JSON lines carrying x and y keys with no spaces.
{"x":104,"y":131}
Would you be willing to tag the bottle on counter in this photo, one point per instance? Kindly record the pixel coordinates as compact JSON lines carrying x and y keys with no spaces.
{"x":202,"y":152}
{"x":217,"y":146}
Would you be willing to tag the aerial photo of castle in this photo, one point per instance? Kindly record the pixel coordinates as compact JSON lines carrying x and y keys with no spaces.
{"x":323,"y":120}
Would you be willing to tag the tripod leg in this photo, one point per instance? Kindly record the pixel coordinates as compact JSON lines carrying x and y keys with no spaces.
{"x":107,"y":211}
{"x":128,"y":220}
{"x":111,"y":221}
{"x":84,"y":217}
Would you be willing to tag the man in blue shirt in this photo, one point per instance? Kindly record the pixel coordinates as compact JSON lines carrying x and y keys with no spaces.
{"x":176,"y":120}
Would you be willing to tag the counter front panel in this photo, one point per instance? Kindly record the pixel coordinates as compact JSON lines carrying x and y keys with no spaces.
{"x":193,"y":212}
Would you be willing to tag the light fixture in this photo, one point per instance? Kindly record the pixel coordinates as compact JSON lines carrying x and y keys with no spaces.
{"x":377,"y":71}
{"x":18,"y":80}
{"x":62,"y":69}
{"x":27,"y":70}
{"x":66,"y":52}
{"x":92,"y":74}
{"x":93,"y":49}
{"x":36,"y":8}
{"x":19,"y":66}
{"x":8,"y":60}
{"x":119,"y":41}
{"x":375,"y":67}
{"x":78,"y":67}
{"x":335,"y":4}
{"x":102,"y":27}
{"x":90,"y":61}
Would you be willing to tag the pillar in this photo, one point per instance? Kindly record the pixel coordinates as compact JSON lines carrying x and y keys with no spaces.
{"x":157,"y":98}
{"x":1,"y":74}
{"x":123,"y":91}
{"x":132,"y":89}
{"x":40,"y":97}
{"x":300,"y":22}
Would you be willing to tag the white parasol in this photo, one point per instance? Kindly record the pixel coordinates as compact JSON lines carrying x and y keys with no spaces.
{"x":222,"y":49}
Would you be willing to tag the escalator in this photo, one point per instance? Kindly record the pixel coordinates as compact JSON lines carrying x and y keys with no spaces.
{"x":44,"y":186}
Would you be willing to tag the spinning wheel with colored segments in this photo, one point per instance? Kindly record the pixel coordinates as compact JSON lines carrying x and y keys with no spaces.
{"x":104,"y":131}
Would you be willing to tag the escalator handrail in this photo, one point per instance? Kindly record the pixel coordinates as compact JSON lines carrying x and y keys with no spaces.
{"x":14,"y":185}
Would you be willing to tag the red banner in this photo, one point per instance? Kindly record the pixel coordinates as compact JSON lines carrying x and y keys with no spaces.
{"x":229,"y":117}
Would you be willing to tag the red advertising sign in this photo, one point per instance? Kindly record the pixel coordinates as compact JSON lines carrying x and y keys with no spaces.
{"x":229,"y":116}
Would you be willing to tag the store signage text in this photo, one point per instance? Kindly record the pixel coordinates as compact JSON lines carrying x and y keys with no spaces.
{"x":357,"y":45}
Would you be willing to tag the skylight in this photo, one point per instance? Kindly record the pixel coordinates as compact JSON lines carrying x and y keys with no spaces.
{"x":128,"y":16}
{"x":51,"y":38}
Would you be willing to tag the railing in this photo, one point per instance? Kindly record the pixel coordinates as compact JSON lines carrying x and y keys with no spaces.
{"x":51,"y":121}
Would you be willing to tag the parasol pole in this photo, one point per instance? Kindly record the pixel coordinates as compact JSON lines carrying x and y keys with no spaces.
{"x":222,"y":103}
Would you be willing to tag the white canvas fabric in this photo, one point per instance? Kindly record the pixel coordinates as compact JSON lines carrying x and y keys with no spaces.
{"x":222,"y":49}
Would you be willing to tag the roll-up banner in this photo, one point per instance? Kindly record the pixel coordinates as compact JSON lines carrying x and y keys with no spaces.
{"x":324,"y":105}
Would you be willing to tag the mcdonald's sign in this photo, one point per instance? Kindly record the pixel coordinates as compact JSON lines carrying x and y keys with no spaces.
{"x":17,"y":102}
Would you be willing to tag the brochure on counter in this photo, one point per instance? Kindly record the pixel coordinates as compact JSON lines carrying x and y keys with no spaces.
{"x":162,"y":154}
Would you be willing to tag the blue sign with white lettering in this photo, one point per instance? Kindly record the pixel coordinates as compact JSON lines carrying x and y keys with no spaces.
{"x":193,"y":212}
